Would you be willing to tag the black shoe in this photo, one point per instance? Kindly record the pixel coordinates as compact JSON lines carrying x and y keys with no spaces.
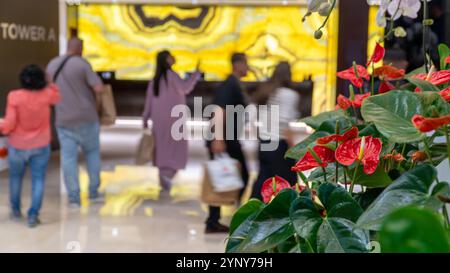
{"x":16,"y":216}
{"x":216,"y":228}
{"x":33,"y":221}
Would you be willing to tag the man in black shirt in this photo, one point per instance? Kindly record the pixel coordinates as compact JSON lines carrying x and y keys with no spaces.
{"x":229,"y":93}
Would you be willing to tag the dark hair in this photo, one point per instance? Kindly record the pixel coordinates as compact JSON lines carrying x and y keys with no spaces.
{"x":162,"y":66}
{"x":281,"y":77}
{"x":32,"y":78}
{"x":238,"y":57}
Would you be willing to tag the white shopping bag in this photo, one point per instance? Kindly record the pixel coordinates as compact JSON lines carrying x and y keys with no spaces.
{"x":224,"y":174}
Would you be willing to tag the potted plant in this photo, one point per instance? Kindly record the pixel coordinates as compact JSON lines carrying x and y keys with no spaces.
{"x":373,"y":183}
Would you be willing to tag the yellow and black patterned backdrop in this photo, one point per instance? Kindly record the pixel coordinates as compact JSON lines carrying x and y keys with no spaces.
{"x":126,"y":38}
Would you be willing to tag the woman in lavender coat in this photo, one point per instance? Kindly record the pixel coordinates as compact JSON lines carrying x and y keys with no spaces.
{"x":164,"y":92}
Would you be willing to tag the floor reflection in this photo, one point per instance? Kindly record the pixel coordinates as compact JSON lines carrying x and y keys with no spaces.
{"x":136,"y":217}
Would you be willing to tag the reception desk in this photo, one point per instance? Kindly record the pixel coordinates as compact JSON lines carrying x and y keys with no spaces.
{"x":129,"y":96}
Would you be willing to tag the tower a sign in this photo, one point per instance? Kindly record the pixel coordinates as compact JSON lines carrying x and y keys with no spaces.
{"x":23,"y":32}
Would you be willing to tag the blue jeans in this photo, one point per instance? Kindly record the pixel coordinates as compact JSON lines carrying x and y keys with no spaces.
{"x":87,"y":137}
{"x":18,"y":160}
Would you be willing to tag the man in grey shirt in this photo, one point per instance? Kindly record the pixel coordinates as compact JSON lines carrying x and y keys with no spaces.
{"x":77,"y":121}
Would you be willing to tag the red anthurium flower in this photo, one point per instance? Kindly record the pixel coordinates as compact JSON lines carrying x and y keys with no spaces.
{"x":396,"y":156}
{"x":447,"y":60}
{"x":389,"y":73}
{"x":385,"y":87}
{"x":272,"y":186}
{"x":445,"y":94}
{"x":359,"y":99}
{"x":418,"y":156}
{"x":350,"y":75}
{"x":308,"y":161}
{"x":350,"y":134}
{"x":299,"y":188}
{"x":345,"y":103}
{"x":366,"y":149}
{"x":436,"y":78}
{"x":378,"y":54}
{"x":424,"y":124}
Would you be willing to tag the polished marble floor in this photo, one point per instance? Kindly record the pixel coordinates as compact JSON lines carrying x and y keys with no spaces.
{"x":135,"y":216}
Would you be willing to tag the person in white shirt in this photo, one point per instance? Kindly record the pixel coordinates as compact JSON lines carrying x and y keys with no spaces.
{"x":276,"y":91}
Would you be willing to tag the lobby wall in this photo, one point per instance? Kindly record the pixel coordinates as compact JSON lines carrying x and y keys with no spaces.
{"x":28,"y":34}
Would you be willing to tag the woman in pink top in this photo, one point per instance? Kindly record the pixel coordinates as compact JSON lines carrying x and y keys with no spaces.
{"x":27,"y":124}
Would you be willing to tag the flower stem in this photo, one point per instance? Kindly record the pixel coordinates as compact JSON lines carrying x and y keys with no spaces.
{"x":445,"y":213}
{"x":324,"y":174}
{"x":427,"y":150}
{"x":354,"y":177}
{"x":425,"y":34}
{"x":328,"y":15}
{"x":372,"y":84}
{"x":356,"y":114}
{"x":403,"y":151}
{"x":447,"y":138}
{"x":317,"y":158}
{"x":338,"y":131}
{"x":303,"y":178}
{"x":345,"y":178}
{"x":355,"y":69}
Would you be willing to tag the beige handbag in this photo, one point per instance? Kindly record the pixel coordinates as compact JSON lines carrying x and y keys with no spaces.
{"x":106,"y":106}
{"x":145,"y":149}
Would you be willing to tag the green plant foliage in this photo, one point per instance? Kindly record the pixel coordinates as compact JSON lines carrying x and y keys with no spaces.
{"x":414,"y":230}
{"x":315,"y":121}
{"x":392,"y":112}
{"x":412,"y":188}
{"x":335,"y":231}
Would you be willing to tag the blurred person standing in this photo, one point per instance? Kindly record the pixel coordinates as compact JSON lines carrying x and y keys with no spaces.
{"x":164,"y":92}
{"x":27,"y":124}
{"x":231,"y":93}
{"x":277,"y":92}
{"x":77,"y":121}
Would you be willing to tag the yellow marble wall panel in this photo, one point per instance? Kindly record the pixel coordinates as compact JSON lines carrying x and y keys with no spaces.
{"x":126,"y":38}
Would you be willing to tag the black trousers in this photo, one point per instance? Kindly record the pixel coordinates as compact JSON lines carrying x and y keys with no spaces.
{"x":273,"y":163}
{"x":234,"y":150}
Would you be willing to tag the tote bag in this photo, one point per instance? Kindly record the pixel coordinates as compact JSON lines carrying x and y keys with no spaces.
{"x":224,"y":174}
{"x":144,"y":151}
{"x":106,"y":106}
{"x":217,"y":199}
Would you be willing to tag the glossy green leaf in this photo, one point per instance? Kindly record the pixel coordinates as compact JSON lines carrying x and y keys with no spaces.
{"x":411,"y":188}
{"x":378,"y":179}
{"x":444,"y":52}
{"x":252,"y":206}
{"x":416,"y":71}
{"x":336,"y":232}
{"x":330,"y":125}
{"x":330,"y":171}
{"x":392,"y":113}
{"x":315,"y":121}
{"x":241,"y":223}
{"x":271,"y":226}
{"x":299,"y":150}
{"x":366,"y":198}
{"x":432,"y":102}
{"x":423,"y":85}
{"x":413,"y":230}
